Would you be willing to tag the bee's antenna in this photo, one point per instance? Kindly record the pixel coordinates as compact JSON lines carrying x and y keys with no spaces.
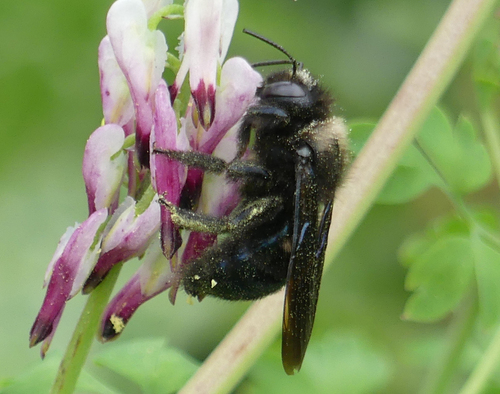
{"x":292,"y":61}
{"x":271,"y":63}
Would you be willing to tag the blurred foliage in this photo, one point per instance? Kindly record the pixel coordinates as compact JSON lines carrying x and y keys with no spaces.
{"x":50,"y":103}
{"x":156,"y":369}
{"x":39,"y":379}
{"x":338,"y":362}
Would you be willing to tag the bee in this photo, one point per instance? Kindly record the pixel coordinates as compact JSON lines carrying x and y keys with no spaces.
{"x":278,"y":233}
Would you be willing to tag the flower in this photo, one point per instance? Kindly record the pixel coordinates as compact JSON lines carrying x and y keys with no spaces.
{"x":75,"y":256}
{"x":167,"y":176}
{"x":153,"y":277}
{"x":117,"y":104}
{"x":142,"y":113}
{"x":127,"y":235}
{"x":141,"y":55}
{"x":104,"y":164}
{"x":209,"y":28}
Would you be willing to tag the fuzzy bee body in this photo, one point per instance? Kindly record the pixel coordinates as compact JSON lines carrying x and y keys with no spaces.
{"x":278,"y":233}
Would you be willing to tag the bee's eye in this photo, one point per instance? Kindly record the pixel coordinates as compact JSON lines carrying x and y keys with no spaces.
{"x":283,"y":89}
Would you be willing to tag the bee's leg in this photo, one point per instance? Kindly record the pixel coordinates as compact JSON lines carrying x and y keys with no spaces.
{"x":195,"y":159}
{"x":248,"y":215}
{"x":255,"y":212}
{"x":244,"y":170}
{"x":235,"y":170}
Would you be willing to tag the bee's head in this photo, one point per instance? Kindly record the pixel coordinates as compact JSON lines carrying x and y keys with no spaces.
{"x":297,"y":93}
{"x":293,"y":91}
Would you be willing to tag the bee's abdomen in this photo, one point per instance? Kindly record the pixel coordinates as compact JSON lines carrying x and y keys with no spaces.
{"x":245,"y":268}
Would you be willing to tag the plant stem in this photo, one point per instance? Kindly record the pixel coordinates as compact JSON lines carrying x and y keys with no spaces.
{"x":458,"y":333}
{"x":79,"y":346}
{"x":488,"y":365}
{"x":239,"y":349}
{"x":419,"y":93}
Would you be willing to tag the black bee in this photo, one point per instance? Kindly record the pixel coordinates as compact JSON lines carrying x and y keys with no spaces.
{"x":278,"y":233}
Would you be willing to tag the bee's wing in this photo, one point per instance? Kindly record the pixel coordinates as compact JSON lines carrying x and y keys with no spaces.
{"x":306,"y":266}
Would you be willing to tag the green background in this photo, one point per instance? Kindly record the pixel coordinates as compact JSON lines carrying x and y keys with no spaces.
{"x":50,"y":103}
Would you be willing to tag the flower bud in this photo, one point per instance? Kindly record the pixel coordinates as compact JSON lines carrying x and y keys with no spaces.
{"x":75,"y":256}
{"x":141,"y":55}
{"x":104,"y":166}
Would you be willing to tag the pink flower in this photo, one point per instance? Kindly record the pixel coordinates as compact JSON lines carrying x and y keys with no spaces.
{"x":75,"y":256}
{"x":127,"y":235}
{"x":208,"y":32}
{"x":104,"y":165}
{"x":153,"y":277}
{"x":167,"y":176}
{"x":141,"y":55}
{"x":117,"y":103}
{"x":140,"y":109}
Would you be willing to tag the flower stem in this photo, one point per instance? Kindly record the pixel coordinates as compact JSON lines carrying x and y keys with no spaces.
{"x":419,"y":93}
{"x":486,"y":367}
{"x":79,"y":346}
{"x":458,"y":333}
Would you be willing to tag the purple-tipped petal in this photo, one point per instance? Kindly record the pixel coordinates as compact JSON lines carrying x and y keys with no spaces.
{"x":141,"y":55}
{"x":128,"y":235}
{"x":204,"y":99}
{"x":117,"y":103}
{"x":209,"y":27}
{"x":79,"y":254}
{"x":167,"y":176}
{"x":120,"y":310}
{"x":59,"y":251}
{"x":143,"y":131}
{"x":104,"y":166}
{"x":44,"y":348}
{"x":202,"y":42}
{"x":238,"y":84}
{"x":153,"y":277}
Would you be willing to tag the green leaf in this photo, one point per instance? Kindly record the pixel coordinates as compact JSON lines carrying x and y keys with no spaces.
{"x":439,"y":278}
{"x":412,"y":247}
{"x":338,"y":363}
{"x":485,"y":255}
{"x":412,"y":177}
{"x":40,"y":378}
{"x":486,"y":70}
{"x":474,"y":155}
{"x":359,"y":367}
{"x":457,"y":154}
{"x":416,"y":244}
{"x":488,"y":219}
{"x":488,"y":280}
{"x":448,"y":225}
{"x":156,"y":368}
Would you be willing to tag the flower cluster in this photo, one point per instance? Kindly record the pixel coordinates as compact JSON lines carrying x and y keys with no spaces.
{"x":142,"y":113}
